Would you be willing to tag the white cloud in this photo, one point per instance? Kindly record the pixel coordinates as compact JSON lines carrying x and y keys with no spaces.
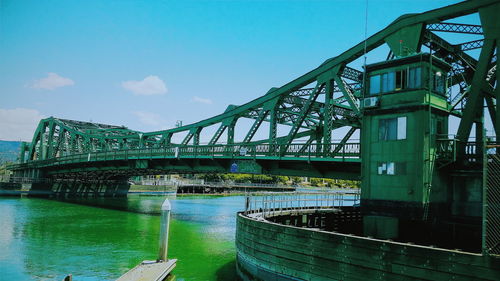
{"x":151,"y":85}
{"x":201,"y":100}
{"x":18,"y":123}
{"x":51,"y":82}
{"x":150,"y":119}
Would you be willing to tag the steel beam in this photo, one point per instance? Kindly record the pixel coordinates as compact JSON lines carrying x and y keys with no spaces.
{"x":295,"y":105}
{"x":305,"y":110}
{"x":255,"y":126}
{"x":348,"y":94}
{"x":456,"y":28}
{"x":471,"y":45}
{"x":474,"y":102}
{"x":217,"y":134}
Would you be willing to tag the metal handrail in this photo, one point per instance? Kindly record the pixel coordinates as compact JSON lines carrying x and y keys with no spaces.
{"x":273,"y":204}
{"x":239,"y":151}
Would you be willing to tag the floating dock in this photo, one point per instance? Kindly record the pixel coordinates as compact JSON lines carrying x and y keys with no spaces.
{"x":160,"y":269}
{"x":150,"y":271}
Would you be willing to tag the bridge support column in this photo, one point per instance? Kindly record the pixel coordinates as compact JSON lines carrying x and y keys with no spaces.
{"x":41,"y":189}
{"x":71,"y":188}
{"x":116,"y":188}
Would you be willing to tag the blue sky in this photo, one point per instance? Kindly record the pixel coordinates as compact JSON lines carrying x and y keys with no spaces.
{"x":147,"y":64}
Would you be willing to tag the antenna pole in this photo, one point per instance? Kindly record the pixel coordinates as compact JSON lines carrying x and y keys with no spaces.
{"x":364,"y":56}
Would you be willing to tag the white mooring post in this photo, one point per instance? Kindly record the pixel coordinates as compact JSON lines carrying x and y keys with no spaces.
{"x":164,"y":226}
{"x":155,"y":270}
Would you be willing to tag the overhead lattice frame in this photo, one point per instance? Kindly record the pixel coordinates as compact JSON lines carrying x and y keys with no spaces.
{"x":316,"y":113}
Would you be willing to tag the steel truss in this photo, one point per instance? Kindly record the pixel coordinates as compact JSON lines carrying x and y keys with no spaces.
{"x":315,"y":112}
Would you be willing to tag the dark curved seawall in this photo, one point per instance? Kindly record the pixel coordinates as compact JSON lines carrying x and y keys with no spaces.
{"x":271,"y":251}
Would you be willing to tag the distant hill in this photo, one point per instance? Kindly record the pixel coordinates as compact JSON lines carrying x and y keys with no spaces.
{"x":9,"y":151}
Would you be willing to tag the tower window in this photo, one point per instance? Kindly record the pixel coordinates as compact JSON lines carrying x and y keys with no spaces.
{"x":415,"y":78}
{"x":391,"y":168}
{"x":388,"y":82}
{"x":401,"y":79}
{"x":439,"y":81}
{"x":392,"y":128}
{"x":374,"y":84}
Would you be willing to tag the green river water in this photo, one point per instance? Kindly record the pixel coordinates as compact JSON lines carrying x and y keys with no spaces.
{"x":44,"y":239}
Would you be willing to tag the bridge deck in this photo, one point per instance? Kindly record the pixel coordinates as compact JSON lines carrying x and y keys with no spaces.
{"x":322,"y":161}
{"x":349,"y":153}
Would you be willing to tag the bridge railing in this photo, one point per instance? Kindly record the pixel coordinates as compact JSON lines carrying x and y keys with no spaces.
{"x":274,"y":203}
{"x":240,"y":151}
{"x":447,"y":150}
{"x":350,"y":150}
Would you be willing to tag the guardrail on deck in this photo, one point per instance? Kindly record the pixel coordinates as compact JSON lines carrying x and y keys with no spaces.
{"x":447,"y":149}
{"x":240,"y":151}
{"x":272,"y":204}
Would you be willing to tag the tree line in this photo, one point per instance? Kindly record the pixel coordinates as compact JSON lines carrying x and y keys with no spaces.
{"x":284,"y":180}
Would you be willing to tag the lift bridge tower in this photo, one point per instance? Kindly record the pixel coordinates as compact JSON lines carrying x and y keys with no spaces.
{"x":406,"y":183}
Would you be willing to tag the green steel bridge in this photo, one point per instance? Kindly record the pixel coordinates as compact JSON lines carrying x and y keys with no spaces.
{"x":293,"y":125}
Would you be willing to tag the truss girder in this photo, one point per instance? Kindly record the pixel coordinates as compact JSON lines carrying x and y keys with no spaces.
{"x":297,"y":106}
{"x":451,"y":54}
{"x":258,"y":121}
{"x":474,"y":102}
{"x":57,"y":136}
{"x":218,"y":134}
{"x":348,"y":94}
{"x":352,"y":74}
{"x":463,"y":65}
{"x":348,"y":56}
{"x":471,"y":45}
{"x":456,"y":28}
{"x":186,"y":139}
{"x":303,"y":114}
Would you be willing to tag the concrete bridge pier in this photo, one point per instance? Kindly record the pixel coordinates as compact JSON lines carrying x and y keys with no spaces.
{"x":71,"y":188}
{"x":29,"y":173}
{"x":41,"y":189}
{"x":117,"y":189}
